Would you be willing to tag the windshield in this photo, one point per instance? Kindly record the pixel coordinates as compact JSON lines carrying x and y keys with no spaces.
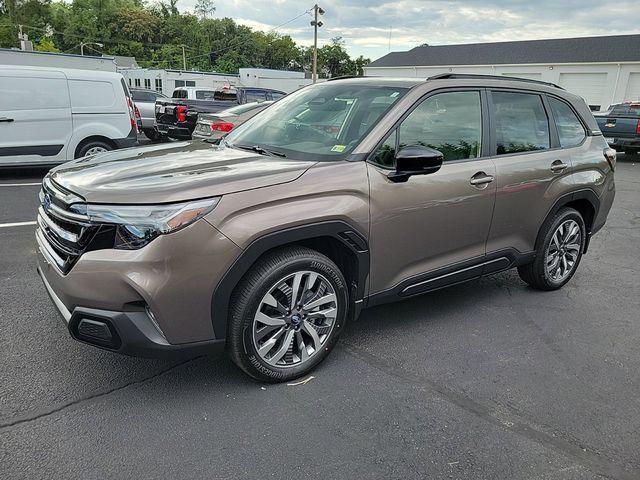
{"x":323,"y":122}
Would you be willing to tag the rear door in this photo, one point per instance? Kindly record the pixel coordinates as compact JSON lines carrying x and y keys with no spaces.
{"x":532,"y":171}
{"x":35,"y":117}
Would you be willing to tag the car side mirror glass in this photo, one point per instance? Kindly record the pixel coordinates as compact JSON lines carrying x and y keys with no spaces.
{"x":416,"y":160}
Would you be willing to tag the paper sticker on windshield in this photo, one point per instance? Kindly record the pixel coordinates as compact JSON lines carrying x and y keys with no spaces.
{"x":338,"y":148}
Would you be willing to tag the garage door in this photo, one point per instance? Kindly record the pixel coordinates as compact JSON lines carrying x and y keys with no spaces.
{"x":590,"y":86}
{"x":633,"y":88}
{"x":528,"y":76}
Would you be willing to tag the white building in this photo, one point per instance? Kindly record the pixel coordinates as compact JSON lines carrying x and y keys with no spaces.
{"x":166,"y":81}
{"x":58,"y":60}
{"x":603,"y":70}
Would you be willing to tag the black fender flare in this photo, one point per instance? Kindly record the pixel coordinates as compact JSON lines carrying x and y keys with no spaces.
{"x":586,"y":194}
{"x":338,"y":229}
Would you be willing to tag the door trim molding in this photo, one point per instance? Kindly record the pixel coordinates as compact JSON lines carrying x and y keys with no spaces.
{"x":453,"y":274}
{"x":41,"y":150}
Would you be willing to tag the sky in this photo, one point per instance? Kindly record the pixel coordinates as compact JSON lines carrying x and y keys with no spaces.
{"x":373,"y":28}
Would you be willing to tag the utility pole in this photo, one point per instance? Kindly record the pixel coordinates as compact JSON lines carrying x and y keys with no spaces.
{"x":316,"y":24}
{"x":184,"y":59}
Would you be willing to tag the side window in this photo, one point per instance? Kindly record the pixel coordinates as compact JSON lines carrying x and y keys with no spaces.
{"x":570,"y":130}
{"x":449,"y":122}
{"x":385,"y":156}
{"x":521,"y":122}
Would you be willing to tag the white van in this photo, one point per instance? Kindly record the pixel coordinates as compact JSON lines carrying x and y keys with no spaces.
{"x":51,"y":115}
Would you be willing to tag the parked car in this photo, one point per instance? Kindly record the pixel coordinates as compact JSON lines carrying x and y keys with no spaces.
{"x":145,"y":100}
{"x":52,"y":115}
{"x":272,"y":241}
{"x":621,"y":126}
{"x":177,"y":117}
{"x":213,"y":126}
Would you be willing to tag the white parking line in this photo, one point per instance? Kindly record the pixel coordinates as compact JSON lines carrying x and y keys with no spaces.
{"x":16,"y":224}
{"x":20,"y":184}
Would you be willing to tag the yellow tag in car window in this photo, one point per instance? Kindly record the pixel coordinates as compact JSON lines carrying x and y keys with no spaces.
{"x":338,"y":148}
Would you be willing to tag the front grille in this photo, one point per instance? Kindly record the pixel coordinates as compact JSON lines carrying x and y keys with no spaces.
{"x":62,"y":235}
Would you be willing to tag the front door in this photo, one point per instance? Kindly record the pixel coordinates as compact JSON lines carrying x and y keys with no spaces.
{"x":426,"y":230}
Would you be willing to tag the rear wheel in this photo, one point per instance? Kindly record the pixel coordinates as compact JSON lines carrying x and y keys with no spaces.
{"x":558,"y":253}
{"x":93,"y":147}
{"x":286,"y":314}
{"x":152,"y":134}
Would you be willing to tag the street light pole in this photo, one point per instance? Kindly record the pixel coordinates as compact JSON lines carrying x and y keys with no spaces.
{"x":82,"y":44}
{"x":184,"y":59}
{"x":316,"y":11}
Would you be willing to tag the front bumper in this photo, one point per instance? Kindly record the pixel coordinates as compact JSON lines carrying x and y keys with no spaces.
{"x":129,"y":333}
{"x":154,"y":301}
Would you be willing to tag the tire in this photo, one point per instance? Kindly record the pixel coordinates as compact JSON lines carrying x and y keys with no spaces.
{"x":265,"y":294}
{"x":152,"y":134}
{"x":95,"y":147}
{"x":544,"y":273}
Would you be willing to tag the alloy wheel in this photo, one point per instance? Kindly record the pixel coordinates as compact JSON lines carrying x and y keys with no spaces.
{"x":295,"y":319}
{"x":563,"y":251}
{"x":95,"y":151}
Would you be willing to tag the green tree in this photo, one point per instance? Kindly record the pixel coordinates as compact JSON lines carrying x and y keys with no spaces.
{"x":205,"y":8}
{"x":334,"y":59}
{"x":45,"y":44}
{"x":154,"y":33}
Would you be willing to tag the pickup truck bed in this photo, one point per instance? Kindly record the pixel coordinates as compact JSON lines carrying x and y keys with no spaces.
{"x":177,"y":118}
{"x":621,"y":127}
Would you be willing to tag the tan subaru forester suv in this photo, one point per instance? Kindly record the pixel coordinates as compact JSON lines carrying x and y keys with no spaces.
{"x":343,"y":195}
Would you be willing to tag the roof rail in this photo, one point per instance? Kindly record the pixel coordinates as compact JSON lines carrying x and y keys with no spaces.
{"x":472,"y":76}
{"x":342,"y":77}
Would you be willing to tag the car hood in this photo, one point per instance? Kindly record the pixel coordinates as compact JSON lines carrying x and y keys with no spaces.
{"x":173,"y":172}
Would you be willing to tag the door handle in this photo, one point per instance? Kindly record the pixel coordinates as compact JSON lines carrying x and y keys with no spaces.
{"x":6,"y":119}
{"x":558,"y":166}
{"x":481,"y":178}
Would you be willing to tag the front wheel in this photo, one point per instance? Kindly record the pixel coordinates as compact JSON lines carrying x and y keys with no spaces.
{"x":286,"y":314}
{"x":558,"y":253}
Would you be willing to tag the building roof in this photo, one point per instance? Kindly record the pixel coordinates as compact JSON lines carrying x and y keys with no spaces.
{"x":124,"y":62}
{"x":618,"y":48}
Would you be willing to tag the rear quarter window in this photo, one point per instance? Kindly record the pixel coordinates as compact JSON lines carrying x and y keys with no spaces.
{"x":570,"y":129}
{"x":92,"y":94}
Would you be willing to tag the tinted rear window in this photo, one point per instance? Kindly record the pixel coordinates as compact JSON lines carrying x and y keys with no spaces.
{"x":626,"y":110}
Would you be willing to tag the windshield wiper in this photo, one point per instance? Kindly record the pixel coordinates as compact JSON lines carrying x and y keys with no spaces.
{"x":259,"y":150}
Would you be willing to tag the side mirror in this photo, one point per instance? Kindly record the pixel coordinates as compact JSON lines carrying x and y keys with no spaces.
{"x":415,"y":160}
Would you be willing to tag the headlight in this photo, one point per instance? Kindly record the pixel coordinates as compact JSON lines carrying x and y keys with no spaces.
{"x":136,"y":225}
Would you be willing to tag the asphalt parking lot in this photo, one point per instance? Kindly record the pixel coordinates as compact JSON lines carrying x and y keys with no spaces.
{"x":487,"y":380}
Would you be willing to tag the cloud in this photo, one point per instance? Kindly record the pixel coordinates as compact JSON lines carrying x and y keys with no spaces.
{"x":365,"y":25}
